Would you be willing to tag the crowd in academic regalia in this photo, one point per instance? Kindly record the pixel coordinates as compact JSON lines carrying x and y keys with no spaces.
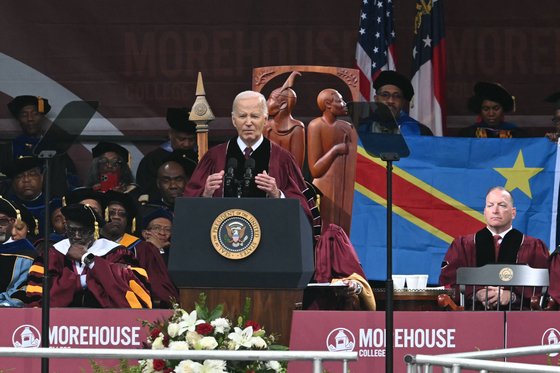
{"x":109,"y":237}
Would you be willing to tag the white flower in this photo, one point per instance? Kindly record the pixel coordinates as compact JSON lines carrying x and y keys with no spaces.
{"x":189,"y":322}
{"x":178,"y":345}
{"x":157,"y":344}
{"x":274,"y":365}
{"x":148,"y":366}
{"x":221,"y":325}
{"x":214,"y":366}
{"x":193,"y":338}
{"x":207,"y":343}
{"x":242,"y":338}
{"x":188,"y":366}
{"x":258,"y":342}
{"x":173,"y":330}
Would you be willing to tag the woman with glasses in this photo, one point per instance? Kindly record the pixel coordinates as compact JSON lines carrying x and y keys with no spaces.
{"x":110,"y":169}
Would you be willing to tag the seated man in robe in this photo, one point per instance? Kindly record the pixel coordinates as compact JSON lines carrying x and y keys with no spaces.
{"x":88,"y":271}
{"x":498,"y":242}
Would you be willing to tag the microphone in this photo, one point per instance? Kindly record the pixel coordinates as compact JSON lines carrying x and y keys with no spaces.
{"x":249,"y":169}
{"x":231,"y":166}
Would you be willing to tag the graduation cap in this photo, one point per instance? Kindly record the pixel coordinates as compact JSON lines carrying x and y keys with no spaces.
{"x":554,"y":99}
{"x":22,"y":164}
{"x":105,"y":146}
{"x":126,"y":201}
{"x":84,"y":215}
{"x":394,"y":78}
{"x":158,"y":213}
{"x":20,"y":213}
{"x":185,"y":157}
{"x":493,"y":92}
{"x":178,"y":119}
{"x":80,"y":194}
{"x":20,"y":102}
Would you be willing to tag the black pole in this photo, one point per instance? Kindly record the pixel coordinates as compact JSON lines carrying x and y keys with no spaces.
{"x":45,"y":315}
{"x":389,"y":283}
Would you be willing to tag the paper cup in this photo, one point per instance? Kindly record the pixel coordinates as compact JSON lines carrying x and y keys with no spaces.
{"x":412,"y":282}
{"x":422,"y":281}
{"x":398,"y":281}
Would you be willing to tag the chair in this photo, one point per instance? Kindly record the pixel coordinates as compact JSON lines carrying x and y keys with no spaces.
{"x":530,"y":284}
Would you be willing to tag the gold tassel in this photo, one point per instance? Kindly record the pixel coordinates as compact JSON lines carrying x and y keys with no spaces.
{"x":133,"y":227}
{"x":96,"y":231}
{"x":64,"y":201}
{"x":36,"y":226}
{"x":18,"y":215}
{"x":40,"y":105}
{"x":106,"y":214}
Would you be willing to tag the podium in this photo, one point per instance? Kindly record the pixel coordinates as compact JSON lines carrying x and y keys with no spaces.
{"x":233,"y":248}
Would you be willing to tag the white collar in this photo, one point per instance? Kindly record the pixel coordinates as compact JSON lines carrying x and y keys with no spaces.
{"x":255,"y":146}
{"x":100,"y":247}
{"x":502,"y":235}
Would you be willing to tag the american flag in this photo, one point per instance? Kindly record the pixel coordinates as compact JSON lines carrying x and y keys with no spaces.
{"x":375,"y":49}
{"x":429,"y":66}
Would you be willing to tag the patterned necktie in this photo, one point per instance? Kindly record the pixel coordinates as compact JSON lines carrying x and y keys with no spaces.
{"x":247,"y":152}
{"x":497,"y":239}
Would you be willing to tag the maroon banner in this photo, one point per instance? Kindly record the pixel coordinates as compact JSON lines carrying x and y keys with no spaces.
{"x":414,"y":333}
{"x":533,"y":329}
{"x":72,"y":328}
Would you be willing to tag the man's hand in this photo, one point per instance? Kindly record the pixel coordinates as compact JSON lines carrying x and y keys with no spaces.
{"x":213,"y":183}
{"x":493,"y":292}
{"x":267,"y":183}
{"x":76,"y":251}
{"x":155,"y":240}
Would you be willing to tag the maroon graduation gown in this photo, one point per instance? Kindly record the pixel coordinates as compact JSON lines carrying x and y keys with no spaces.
{"x":463,"y":253}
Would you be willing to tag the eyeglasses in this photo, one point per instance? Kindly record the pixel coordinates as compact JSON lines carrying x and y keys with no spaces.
{"x":160,"y":229}
{"x":387,"y":95}
{"x":75,"y":231}
{"x":110,"y":162}
{"x":121,"y":213}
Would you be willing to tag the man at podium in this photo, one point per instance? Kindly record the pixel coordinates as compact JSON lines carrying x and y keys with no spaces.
{"x":249,"y":165}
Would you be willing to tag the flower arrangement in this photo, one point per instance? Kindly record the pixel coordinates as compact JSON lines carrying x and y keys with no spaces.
{"x":202,"y":329}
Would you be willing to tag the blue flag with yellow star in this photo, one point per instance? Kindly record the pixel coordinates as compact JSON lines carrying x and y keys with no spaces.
{"x":439,"y":194}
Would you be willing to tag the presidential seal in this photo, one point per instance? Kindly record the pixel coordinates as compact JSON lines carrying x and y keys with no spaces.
{"x":235,"y":234}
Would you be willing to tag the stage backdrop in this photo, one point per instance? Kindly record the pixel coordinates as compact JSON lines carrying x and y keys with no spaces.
{"x":439,"y":193}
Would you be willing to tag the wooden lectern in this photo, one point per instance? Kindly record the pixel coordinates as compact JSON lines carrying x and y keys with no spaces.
{"x":233,"y":248}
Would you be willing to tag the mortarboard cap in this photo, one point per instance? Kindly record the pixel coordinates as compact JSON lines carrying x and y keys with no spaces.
{"x":83,"y":214}
{"x":80,"y":194}
{"x":19,"y":212}
{"x":20,"y":102}
{"x":22,"y":164}
{"x":158,"y":213}
{"x":178,"y":119}
{"x":493,"y":92}
{"x":394,"y":78}
{"x":105,"y":146}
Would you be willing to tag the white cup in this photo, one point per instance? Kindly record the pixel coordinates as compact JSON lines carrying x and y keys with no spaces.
{"x":412,"y":282}
{"x":398,"y":281}
{"x":422,"y":281}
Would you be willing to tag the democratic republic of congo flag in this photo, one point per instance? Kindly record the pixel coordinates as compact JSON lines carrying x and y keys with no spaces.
{"x":439,"y":193}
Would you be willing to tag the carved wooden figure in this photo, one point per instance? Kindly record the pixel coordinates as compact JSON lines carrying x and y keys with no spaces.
{"x":281,"y":127}
{"x":331,"y":155}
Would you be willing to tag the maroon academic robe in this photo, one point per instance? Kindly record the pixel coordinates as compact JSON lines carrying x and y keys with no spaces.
{"x":113,"y":282}
{"x":281,"y":166}
{"x":463,"y":253}
{"x":554,"y":274}
{"x":162,"y":288}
